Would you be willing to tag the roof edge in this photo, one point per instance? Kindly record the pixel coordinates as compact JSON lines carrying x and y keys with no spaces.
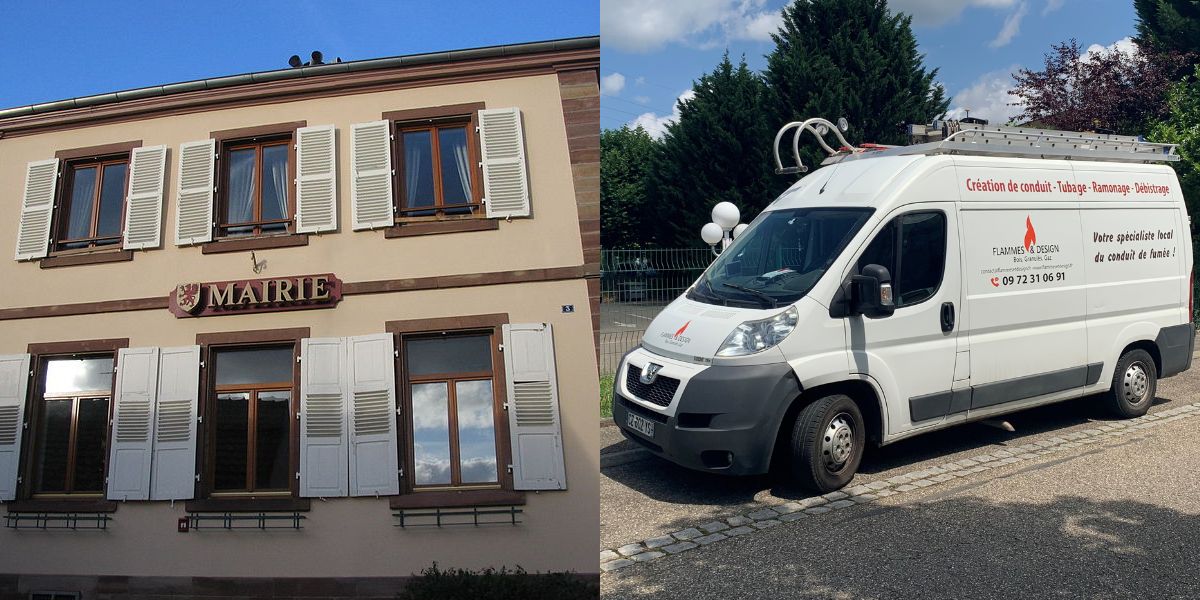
{"x":428,"y":58}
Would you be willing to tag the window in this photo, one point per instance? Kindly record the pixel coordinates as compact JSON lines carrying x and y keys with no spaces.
{"x":256,"y":184}
{"x":451,"y":391}
{"x":93,"y":195}
{"x":71,"y":425}
{"x":438,"y":175}
{"x":919,"y":239}
{"x":252,"y":413}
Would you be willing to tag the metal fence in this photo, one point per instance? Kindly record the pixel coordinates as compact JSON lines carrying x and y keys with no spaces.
{"x":634,"y":286}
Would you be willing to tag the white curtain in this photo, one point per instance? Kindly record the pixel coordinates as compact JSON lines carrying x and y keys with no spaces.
{"x":279,"y":179}
{"x":412,"y":173}
{"x":241,"y":186}
{"x":80,"y":223}
{"x":464,"y":173}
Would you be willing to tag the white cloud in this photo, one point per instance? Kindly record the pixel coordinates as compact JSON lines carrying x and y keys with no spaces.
{"x":1124,"y":45}
{"x":640,"y":80}
{"x":642,"y":99}
{"x":646,"y":25}
{"x":655,"y":125}
{"x":1011,"y":27}
{"x":987,"y":98}
{"x":1052,"y":5}
{"x":612,"y":84}
{"x":934,"y":13}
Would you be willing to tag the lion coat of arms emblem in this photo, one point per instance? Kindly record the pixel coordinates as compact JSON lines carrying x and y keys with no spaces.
{"x":187,"y":296}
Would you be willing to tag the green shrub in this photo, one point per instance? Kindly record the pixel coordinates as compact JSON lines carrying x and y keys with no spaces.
{"x":490,"y":584}
{"x":606,"y":395}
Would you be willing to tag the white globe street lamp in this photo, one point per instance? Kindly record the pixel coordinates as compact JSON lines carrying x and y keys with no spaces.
{"x":724,"y":228}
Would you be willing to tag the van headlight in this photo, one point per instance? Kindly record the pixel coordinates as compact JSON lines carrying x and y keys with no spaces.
{"x":756,"y":336}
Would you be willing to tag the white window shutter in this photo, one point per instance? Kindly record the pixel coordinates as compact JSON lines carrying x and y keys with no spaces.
{"x":316,"y":179}
{"x":505,"y":176}
{"x":14,"y":379}
{"x":323,"y":452}
{"x":143,"y":205}
{"x":374,"y":462}
{"x":174,"y":460}
{"x":133,"y":424}
{"x":534,"y":425}
{"x":371,"y":169}
{"x":194,"y":198}
{"x":37,"y":206}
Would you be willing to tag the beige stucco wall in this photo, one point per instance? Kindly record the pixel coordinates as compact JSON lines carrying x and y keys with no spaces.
{"x":551,"y":238}
{"x":343,"y":537}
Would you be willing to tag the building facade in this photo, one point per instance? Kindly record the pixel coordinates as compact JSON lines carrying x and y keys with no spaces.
{"x":332,"y":321}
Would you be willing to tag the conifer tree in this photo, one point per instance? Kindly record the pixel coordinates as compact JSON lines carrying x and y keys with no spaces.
{"x":625,"y":156}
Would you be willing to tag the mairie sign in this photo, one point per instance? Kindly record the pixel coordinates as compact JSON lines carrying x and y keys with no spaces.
{"x":206,"y":299}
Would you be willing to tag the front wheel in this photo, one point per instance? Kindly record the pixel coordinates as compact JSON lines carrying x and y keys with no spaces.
{"x":1134,"y":384}
{"x":827,"y":443}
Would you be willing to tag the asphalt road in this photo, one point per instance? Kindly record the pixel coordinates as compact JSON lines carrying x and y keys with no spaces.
{"x":1116,"y":518}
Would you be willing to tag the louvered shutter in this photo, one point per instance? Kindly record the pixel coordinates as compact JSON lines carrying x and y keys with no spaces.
{"x":143,"y":205}
{"x":133,"y":424}
{"x":505,"y":177}
{"x":323,"y":453}
{"x":37,"y":205}
{"x":371,"y":168}
{"x":534,"y":427}
{"x":194,"y":199}
{"x":174,"y":461}
{"x":374,"y":463}
{"x":316,"y":179}
{"x":14,"y":377}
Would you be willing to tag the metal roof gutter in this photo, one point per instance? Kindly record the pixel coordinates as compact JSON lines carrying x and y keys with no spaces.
{"x":305,"y":72}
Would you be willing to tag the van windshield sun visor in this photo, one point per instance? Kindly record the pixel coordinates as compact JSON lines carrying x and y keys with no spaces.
{"x":779,"y":258}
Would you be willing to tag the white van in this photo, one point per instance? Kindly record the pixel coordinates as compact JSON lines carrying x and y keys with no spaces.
{"x":900,"y":291}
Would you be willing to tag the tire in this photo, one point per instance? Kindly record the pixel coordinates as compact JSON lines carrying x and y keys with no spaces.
{"x":1134,"y":384}
{"x":827,"y":443}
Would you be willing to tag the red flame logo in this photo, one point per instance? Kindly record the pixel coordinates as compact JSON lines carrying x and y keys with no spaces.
{"x":1030,"y":234}
{"x":682,"y":329}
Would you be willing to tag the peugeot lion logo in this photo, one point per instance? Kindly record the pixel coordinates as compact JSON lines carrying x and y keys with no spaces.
{"x":650,"y":373}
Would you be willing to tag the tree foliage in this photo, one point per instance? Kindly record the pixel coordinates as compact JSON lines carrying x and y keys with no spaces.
{"x":1107,"y":90}
{"x":1165,"y":26}
{"x":625,"y":156}
{"x":1182,"y":126}
{"x":717,"y":151}
{"x":853,"y":59}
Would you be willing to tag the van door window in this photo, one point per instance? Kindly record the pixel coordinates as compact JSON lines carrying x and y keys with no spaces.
{"x":913,"y":248}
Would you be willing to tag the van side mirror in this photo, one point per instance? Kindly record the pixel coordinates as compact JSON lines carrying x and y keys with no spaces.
{"x":871,"y":292}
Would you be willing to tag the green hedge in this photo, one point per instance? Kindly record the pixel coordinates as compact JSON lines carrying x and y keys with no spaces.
{"x":490,"y":584}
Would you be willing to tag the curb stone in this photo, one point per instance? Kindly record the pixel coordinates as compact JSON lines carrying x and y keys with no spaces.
{"x":768,"y":516}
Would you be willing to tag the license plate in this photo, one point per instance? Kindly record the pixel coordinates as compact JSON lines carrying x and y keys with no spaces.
{"x":640,"y":424}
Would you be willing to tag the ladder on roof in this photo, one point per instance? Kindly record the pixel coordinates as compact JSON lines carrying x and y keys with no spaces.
{"x":981,"y":140}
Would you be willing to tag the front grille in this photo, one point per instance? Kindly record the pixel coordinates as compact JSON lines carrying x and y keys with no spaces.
{"x":660,"y":392}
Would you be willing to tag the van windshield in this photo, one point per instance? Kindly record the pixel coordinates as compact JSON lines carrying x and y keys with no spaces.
{"x":779,"y":258}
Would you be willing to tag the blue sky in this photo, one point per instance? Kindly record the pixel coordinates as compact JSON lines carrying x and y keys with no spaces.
{"x":106,"y":46}
{"x":652,"y":50}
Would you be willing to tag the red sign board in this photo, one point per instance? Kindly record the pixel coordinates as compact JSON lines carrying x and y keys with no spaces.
{"x":240,"y":296}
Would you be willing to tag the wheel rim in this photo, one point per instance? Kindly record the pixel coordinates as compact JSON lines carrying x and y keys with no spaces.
{"x":1135,"y":385}
{"x":837,"y":443}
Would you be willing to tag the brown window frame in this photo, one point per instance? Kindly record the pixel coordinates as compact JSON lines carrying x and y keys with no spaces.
{"x":452,"y":326}
{"x":31,"y":443}
{"x":62,"y":209}
{"x":257,"y":222}
{"x":205,"y":456}
{"x":433,"y":119}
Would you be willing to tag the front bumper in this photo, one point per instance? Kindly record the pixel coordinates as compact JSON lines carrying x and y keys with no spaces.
{"x":722,"y":419}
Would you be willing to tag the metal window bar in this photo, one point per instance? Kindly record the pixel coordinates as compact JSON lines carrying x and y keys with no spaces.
{"x":444,"y":517}
{"x":72,"y":521}
{"x":261,"y":521}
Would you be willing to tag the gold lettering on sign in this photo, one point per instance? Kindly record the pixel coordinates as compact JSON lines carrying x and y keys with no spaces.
{"x":319,"y":290}
{"x":300,"y":289}
{"x":283,"y":290}
{"x":219,"y":297}
{"x":247,"y":296}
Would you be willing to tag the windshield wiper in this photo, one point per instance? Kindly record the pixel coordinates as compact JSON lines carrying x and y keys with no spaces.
{"x":771,"y":303}
{"x":710,"y":294}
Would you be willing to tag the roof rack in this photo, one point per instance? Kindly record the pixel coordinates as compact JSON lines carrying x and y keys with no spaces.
{"x":955,"y":137}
